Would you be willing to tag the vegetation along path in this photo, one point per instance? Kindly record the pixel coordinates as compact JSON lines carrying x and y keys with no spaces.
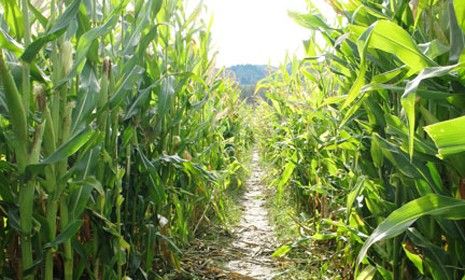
{"x":255,"y":239}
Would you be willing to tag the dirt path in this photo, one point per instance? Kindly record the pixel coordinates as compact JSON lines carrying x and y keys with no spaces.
{"x":244,"y":253}
{"x":254,"y":235}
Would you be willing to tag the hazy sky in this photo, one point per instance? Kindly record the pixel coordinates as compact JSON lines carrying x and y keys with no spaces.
{"x":255,"y":31}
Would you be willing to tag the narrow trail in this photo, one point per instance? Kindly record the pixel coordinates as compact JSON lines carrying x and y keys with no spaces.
{"x":254,"y":236}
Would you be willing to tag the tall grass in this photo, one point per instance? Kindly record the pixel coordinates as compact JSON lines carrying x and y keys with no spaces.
{"x":118,"y":137}
{"x":367,"y":136}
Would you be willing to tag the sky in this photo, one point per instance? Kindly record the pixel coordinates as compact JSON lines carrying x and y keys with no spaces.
{"x":256,"y":31}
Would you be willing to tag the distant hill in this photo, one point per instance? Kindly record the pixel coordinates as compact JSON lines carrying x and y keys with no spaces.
{"x":249,"y":74}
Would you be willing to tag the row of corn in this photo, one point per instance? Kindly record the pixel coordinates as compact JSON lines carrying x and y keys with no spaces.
{"x":368,"y":137}
{"x":118,"y":137}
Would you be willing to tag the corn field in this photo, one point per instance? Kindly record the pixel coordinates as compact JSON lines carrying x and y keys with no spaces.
{"x":368,"y":137}
{"x":118,"y":137}
{"x":120,"y":140}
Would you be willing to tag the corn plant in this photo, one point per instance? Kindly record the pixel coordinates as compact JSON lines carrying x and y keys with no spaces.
{"x":116,"y":137}
{"x":367,"y":135}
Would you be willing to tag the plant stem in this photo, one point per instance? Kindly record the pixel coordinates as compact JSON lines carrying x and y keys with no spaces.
{"x":51,"y":187}
{"x":68,"y":250}
{"x":62,"y":168}
{"x":26,"y":193}
{"x":26,"y":68}
{"x":26,"y":198}
{"x":52,"y":208}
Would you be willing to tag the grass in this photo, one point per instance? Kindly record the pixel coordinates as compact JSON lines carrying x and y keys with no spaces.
{"x":307,"y":259}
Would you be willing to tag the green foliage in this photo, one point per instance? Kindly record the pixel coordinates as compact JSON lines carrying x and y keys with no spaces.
{"x":372,"y":124}
{"x":118,"y":138}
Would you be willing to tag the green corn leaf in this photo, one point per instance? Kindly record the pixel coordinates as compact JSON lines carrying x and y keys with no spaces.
{"x":129,"y":81}
{"x":310,"y":21}
{"x":9,"y":43}
{"x":433,"y":49}
{"x":142,"y":21}
{"x":409,"y":97}
{"x":12,"y":13}
{"x":87,"y":98}
{"x":376,"y":152}
{"x":69,"y":232}
{"x":63,"y":152}
{"x":401,"y":219}
{"x":421,"y":92}
{"x":397,"y":127}
{"x":389,"y":75}
{"x":459,"y":8}
{"x":80,"y":195}
{"x":170,"y":242}
{"x":385,"y":273}
{"x":355,"y":91}
{"x":56,"y":31}
{"x":282,"y":251}
{"x":194,"y":14}
{"x":287,"y":173}
{"x":38,"y":15}
{"x":352,"y":196}
{"x":398,"y":158}
{"x":367,"y":273}
{"x":142,"y":99}
{"x":434,"y":256}
{"x":152,"y":172}
{"x":414,"y":258}
{"x":70,"y":147}
{"x":391,"y":38}
{"x":448,"y":136}
{"x":88,"y":38}
{"x":457,"y":39}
